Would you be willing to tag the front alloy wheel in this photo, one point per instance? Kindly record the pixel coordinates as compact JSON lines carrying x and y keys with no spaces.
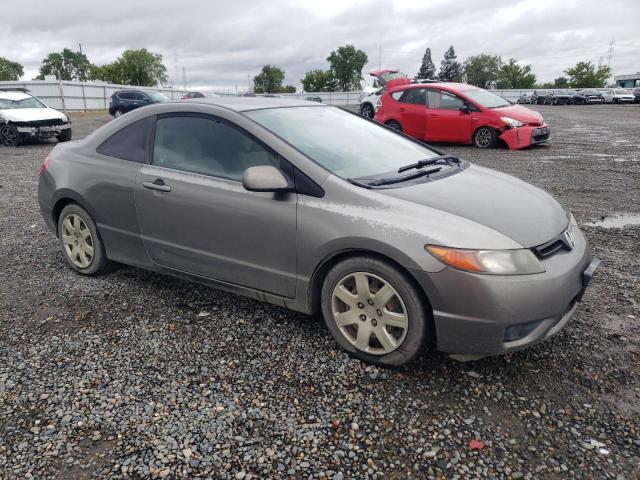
{"x":485,"y":137}
{"x":374,"y":311}
{"x":369,"y":313}
{"x":9,"y":136}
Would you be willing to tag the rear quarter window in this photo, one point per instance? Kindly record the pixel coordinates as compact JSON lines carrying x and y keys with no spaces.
{"x":129,"y":143}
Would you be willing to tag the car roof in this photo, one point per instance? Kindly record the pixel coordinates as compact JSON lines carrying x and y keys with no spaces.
{"x":454,"y":87}
{"x":13,"y":95}
{"x":242,"y":104}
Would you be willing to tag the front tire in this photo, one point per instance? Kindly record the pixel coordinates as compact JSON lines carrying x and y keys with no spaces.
{"x":373,"y":311}
{"x":9,"y":136}
{"x":366,"y":110}
{"x":83,"y":249}
{"x":64,"y":136}
{"x":485,"y":137}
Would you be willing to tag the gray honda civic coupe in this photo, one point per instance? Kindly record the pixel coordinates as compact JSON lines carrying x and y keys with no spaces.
{"x":307,"y":206}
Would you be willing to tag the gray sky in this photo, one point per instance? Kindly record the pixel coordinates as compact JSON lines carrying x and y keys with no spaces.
{"x":220,"y":44}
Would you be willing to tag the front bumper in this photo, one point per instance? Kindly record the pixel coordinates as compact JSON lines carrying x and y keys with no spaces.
{"x":475,"y":315}
{"x":43,"y":131}
{"x":525,"y":136}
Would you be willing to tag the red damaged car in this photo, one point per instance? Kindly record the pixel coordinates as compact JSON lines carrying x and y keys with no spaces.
{"x":460,"y":113}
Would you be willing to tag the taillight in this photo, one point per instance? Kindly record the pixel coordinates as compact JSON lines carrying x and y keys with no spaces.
{"x":111,"y":99}
{"x":44,"y":164}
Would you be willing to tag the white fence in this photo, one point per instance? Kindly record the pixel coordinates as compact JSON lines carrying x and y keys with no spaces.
{"x":67,"y":95}
{"x":70,"y":96}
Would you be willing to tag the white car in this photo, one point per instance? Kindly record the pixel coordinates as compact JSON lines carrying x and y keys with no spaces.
{"x":616,"y":95}
{"x":23,"y":117}
{"x":369,"y":103}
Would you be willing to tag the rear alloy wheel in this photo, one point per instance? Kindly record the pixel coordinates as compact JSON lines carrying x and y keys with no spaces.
{"x":117,"y":113}
{"x":366,"y":110}
{"x":485,"y":137}
{"x":373,"y":311}
{"x":394,"y":125}
{"x":9,"y":136}
{"x":80,"y":241}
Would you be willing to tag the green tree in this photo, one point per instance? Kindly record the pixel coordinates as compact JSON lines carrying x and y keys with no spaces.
{"x":482,"y":70}
{"x":289,"y":89}
{"x":512,"y":75}
{"x":134,"y":67}
{"x":66,"y":65}
{"x":318,"y":81}
{"x":346,"y":64}
{"x":450,"y":68}
{"x":587,"y":75}
{"x":560,"y":82}
{"x":269,"y":80}
{"x":427,"y":69}
{"x":10,"y":70}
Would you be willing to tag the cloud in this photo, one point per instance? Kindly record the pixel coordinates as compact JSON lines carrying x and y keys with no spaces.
{"x":225,"y":44}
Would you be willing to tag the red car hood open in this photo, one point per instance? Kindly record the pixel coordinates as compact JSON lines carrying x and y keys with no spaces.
{"x":523,"y":114}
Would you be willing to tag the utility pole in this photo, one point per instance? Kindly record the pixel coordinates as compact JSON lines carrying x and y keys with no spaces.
{"x":613,"y":41}
{"x":184,"y":79}
{"x":379,"y":57}
{"x":80,"y":45}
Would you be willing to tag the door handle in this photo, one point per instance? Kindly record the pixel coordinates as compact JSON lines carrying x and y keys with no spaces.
{"x":157,"y":184}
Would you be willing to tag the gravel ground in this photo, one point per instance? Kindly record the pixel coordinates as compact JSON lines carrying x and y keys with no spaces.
{"x":136,"y":375}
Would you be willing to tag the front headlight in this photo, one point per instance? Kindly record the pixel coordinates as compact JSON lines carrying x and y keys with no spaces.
{"x":490,"y":262}
{"x":512,"y":122}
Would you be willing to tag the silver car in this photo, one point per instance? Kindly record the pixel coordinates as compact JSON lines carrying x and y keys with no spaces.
{"x":319,"y":210}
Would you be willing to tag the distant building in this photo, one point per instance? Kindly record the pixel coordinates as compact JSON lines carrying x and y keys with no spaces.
{"x":628,"y":81}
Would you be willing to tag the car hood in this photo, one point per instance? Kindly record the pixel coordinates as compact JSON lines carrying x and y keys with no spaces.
{"x":522,"y":212}
{"x":31,"y":114}
{"x":518,"y":112}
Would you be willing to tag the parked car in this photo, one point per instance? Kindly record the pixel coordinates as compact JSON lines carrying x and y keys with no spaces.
{"x":188,"y":95}
{"x":540,"y":97}
{"x":588,"y":96}
{"x":396,"y":244}
{"x":124,"y":101}
{"x":525,"y":98}
{"x":460,"y":113}
{"x":23,"y":117}
{"x":383,"y":79}
{"x":616,"y":95}
{"x":562,"y":97}
{"x":314,"y":98}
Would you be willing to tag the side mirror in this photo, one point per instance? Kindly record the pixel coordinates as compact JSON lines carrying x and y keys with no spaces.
{"x":465,"y":108}
{"x":265,"y":178}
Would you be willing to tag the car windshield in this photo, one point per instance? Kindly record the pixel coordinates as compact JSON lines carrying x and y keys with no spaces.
{"x":29,"y":102}
{"x":486,"y":99}
{"x":345,"y":144}
{"x":157,"y":97}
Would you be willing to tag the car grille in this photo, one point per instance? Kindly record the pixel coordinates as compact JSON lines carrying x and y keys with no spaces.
{"x":564,"y":241}
{"x":51,"y":122}
{"x":541,"y":134}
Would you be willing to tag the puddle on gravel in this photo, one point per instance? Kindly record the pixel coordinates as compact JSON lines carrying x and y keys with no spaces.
{"x":616,"y":221}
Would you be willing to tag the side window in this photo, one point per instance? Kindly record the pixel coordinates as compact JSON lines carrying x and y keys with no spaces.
{"x":138,"y":96}
{"x":207,"y":146}
{"x":439,"y":100}
{"x":130,"y":143}
{"x":126,"y":95}
{"x":415,"y":96}
{"x":396,"y":95}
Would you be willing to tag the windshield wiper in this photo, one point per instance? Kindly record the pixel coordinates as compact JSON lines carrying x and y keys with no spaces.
{"x":429,"y":161}
{"x":391,"y":180}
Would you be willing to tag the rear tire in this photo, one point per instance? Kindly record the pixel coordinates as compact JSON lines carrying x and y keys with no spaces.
{"x":366,"y":110}
{"x":394,"y":125}
{"x":485,"y":137}
{"x":388,"y":329}
{"x":81,"y":244}
{"x":117,"y":113}
{"x":64,"y":136}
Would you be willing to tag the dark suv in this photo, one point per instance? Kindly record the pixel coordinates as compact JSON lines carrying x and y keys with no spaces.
{"x":124,"y":101}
